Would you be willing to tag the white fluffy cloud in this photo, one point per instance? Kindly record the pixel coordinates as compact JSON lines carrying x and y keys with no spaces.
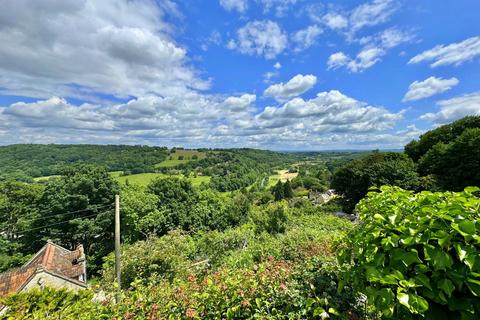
{"x":330,"y":120}
{"x":260,"y":38}
{"x":429,"y":87}
{"x":330,"y":112}
{"x":239,"y":5}
{"x":455,"y":108}
{"x":375,"y":47}
{"x":335,"y":21}
{"x":124,"y":49}
{"x":305,"y":38}
{"x":337,"y":60}
{"x":294,"y":87}
{"x":351,"y":21}
{"x":388,"y":38}
{"x":371,"y":14}
{"x":364,"y":59}
{"x":455,"y":53}
{"x":238,"y":104}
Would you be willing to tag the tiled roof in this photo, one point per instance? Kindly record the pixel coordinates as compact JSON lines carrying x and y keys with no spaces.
{"x":52,"y":258}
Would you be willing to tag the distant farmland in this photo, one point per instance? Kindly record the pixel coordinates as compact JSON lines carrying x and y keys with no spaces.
{"x":143,"y":179}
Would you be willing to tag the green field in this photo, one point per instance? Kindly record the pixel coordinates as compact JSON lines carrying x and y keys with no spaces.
{"x":45,"y":178}
{"x":282,"y":175}
{"x":170,"y":163}
{"x":186,"y":155}
{"x":143,"y":179}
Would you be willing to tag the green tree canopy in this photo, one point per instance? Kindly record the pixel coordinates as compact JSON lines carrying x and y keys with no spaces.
{"x":450,"y":154}
{"x":443,"y":134}
{"x":77,"y":209}
{"x":355,"y":178}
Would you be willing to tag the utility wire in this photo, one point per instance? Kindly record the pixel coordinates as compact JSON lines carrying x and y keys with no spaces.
{"x":54,"y":224}
{"x":61,"y":214}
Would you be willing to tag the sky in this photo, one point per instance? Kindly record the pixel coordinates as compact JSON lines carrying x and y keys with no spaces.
{"x":269,"y":74}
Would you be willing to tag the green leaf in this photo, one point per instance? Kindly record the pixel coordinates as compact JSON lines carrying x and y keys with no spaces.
{"x":333,"y":311}
{"x":474,"y":286}
{"x":407,"y":257}
{"x":404,"y":298}
{"x":460,"y":251}
{"x":258,"y":302}
{"x":413,"y":302}
{"x":309,"y":302}
{"x":447,"y":286}
{"x":419,"y":305}
{"x":384,"y":298}
{"x":465,"y":227}
{"x":318,"y":311}
{"x":471,"y":189}
{"x":423,"y":280}
{"x":439,"y":259}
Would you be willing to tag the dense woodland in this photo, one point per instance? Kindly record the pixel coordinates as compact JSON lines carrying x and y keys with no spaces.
{"x":247,"y":245}
{"x":27,"y":161}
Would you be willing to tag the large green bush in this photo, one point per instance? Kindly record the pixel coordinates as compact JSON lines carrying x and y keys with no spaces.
{"x":417,"y":255}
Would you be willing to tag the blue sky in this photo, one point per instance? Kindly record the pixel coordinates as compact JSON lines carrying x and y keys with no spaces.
{"x":276,"y":74}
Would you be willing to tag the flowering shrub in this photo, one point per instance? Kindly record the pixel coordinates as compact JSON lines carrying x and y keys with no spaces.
{"x":271,"y":290}
{"x":250,"y":275}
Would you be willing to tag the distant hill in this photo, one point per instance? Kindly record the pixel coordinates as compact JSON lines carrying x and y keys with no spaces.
{"x":27,"y":161}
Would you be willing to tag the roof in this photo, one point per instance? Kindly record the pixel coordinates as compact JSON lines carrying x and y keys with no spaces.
{"x":52,"y":258}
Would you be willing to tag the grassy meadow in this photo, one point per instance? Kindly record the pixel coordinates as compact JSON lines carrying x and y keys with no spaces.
{"x":143,"y":179}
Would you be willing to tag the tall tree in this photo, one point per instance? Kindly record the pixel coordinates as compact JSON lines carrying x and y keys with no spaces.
{"x":287,"y":190}
{"x":278,"y":191}
{"x":78,"y":209}
{"x":355,"y":178}
{"x":18,"y":209}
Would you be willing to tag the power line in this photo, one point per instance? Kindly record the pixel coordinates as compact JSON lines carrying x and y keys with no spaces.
{"x":54,"y":224}
{"x":60,"y":214}
{"x":78,"y":211}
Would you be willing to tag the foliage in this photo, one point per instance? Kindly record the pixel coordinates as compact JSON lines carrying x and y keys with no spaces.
{"x":417,"y":254}
{"x":18,"y":209}
{"x":43,"y":304}
{"x":456,"y":164}
{"x":152,"y":259}
{"x":313,"y":176}
{"x":184,"y":207}
{"x":271,"y":219}
{"x":282,"y":190}
{"x":271,"y":290}
{"x":448,"y":156}
{"x":249,"y":276}
{"x":443,"y":134}
{"x":353,"y":179}
{"x":77,"y":209}
{"x":234,"y":169}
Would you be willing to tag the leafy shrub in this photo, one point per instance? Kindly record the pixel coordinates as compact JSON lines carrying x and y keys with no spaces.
{"x":272,"y":289}
{"x":417,"y":254}
{"x":271,"y":219}
{"x":51,"y":304}
{"x":152,"y":260}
